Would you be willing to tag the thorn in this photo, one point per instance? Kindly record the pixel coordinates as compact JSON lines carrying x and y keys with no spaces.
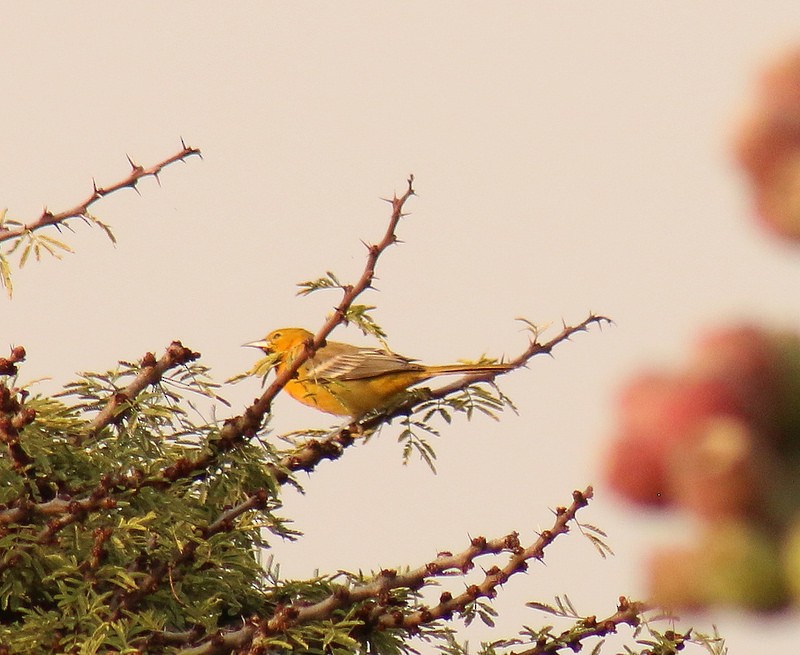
{"x":135,"y":167}
{"x":158,"y":179}
{"x":183,"y":144}
{"x":387,"y":200}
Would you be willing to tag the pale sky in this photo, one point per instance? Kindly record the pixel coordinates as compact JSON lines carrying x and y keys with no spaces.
{"x":569,"y":157}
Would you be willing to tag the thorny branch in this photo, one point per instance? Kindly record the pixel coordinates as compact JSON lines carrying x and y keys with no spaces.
{"x":151,"y":373}
{"x":247,"y":425}
{"x":81,"y":210}
{"x":382,"y":615}
{"x":628,"y":613}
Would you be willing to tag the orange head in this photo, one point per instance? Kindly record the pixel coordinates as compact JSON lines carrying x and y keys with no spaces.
{"x":282,"y":340}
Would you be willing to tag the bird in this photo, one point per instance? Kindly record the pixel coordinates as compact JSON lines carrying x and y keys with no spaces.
{"x":347,"y":380}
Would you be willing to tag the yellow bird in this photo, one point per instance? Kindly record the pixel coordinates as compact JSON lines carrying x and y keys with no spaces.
{"x":349,"y":380}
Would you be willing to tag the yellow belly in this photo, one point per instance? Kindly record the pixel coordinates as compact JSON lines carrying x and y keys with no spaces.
{"x":351,"y":397}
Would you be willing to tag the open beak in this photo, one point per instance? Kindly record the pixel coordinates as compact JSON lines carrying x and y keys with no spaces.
{"x":263,"y":345}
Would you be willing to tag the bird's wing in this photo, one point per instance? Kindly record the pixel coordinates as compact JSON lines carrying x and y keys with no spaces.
{"x":361,"y":363}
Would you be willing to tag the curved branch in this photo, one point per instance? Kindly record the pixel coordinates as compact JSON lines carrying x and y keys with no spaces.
{"x":495,"y":576}
{"x":389,"y":617}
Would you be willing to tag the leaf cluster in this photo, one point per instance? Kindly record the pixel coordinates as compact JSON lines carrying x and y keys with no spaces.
{"x":358,"y":314}
{"x":101,"y":539}
{"x":652,"y":632}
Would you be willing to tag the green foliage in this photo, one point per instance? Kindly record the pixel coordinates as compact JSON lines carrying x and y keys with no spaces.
{"x":483,"y":398}
{"x":358,"y":315}
{"x":328,"y":281}
{"x":32,"y":242}
{"x":135,"y":553}
{"x":646,"y":633}
{"x":91,"y":219}
{"x":5,"y":275}
{"x":37,"y":243}
{"x":414,"y":438}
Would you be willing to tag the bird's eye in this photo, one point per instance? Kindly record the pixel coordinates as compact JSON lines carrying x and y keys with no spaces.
{"x":275,"y":336}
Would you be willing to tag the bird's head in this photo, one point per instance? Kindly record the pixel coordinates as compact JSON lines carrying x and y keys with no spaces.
{"x":282,"y":340}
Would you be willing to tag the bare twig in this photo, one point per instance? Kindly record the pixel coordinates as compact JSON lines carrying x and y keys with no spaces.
{"x":535,"y":348}
{"x":81,"y":210}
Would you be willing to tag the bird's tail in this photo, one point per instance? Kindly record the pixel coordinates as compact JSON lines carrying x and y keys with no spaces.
{"x":468,"y":369}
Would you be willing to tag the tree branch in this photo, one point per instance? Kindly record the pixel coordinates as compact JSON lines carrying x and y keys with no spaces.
{"x":495,"y":576}
{"x":628,"y":613}
{"x":392,"y":617}
{"x":81,"y":210}
{"x":152,"y":372}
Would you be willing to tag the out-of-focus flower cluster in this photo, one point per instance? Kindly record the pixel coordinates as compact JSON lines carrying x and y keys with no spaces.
{"x":768,"y":146}
{"x":720,"y":439}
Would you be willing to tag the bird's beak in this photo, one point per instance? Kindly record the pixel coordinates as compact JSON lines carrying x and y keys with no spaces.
{"x":263,"y":345}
